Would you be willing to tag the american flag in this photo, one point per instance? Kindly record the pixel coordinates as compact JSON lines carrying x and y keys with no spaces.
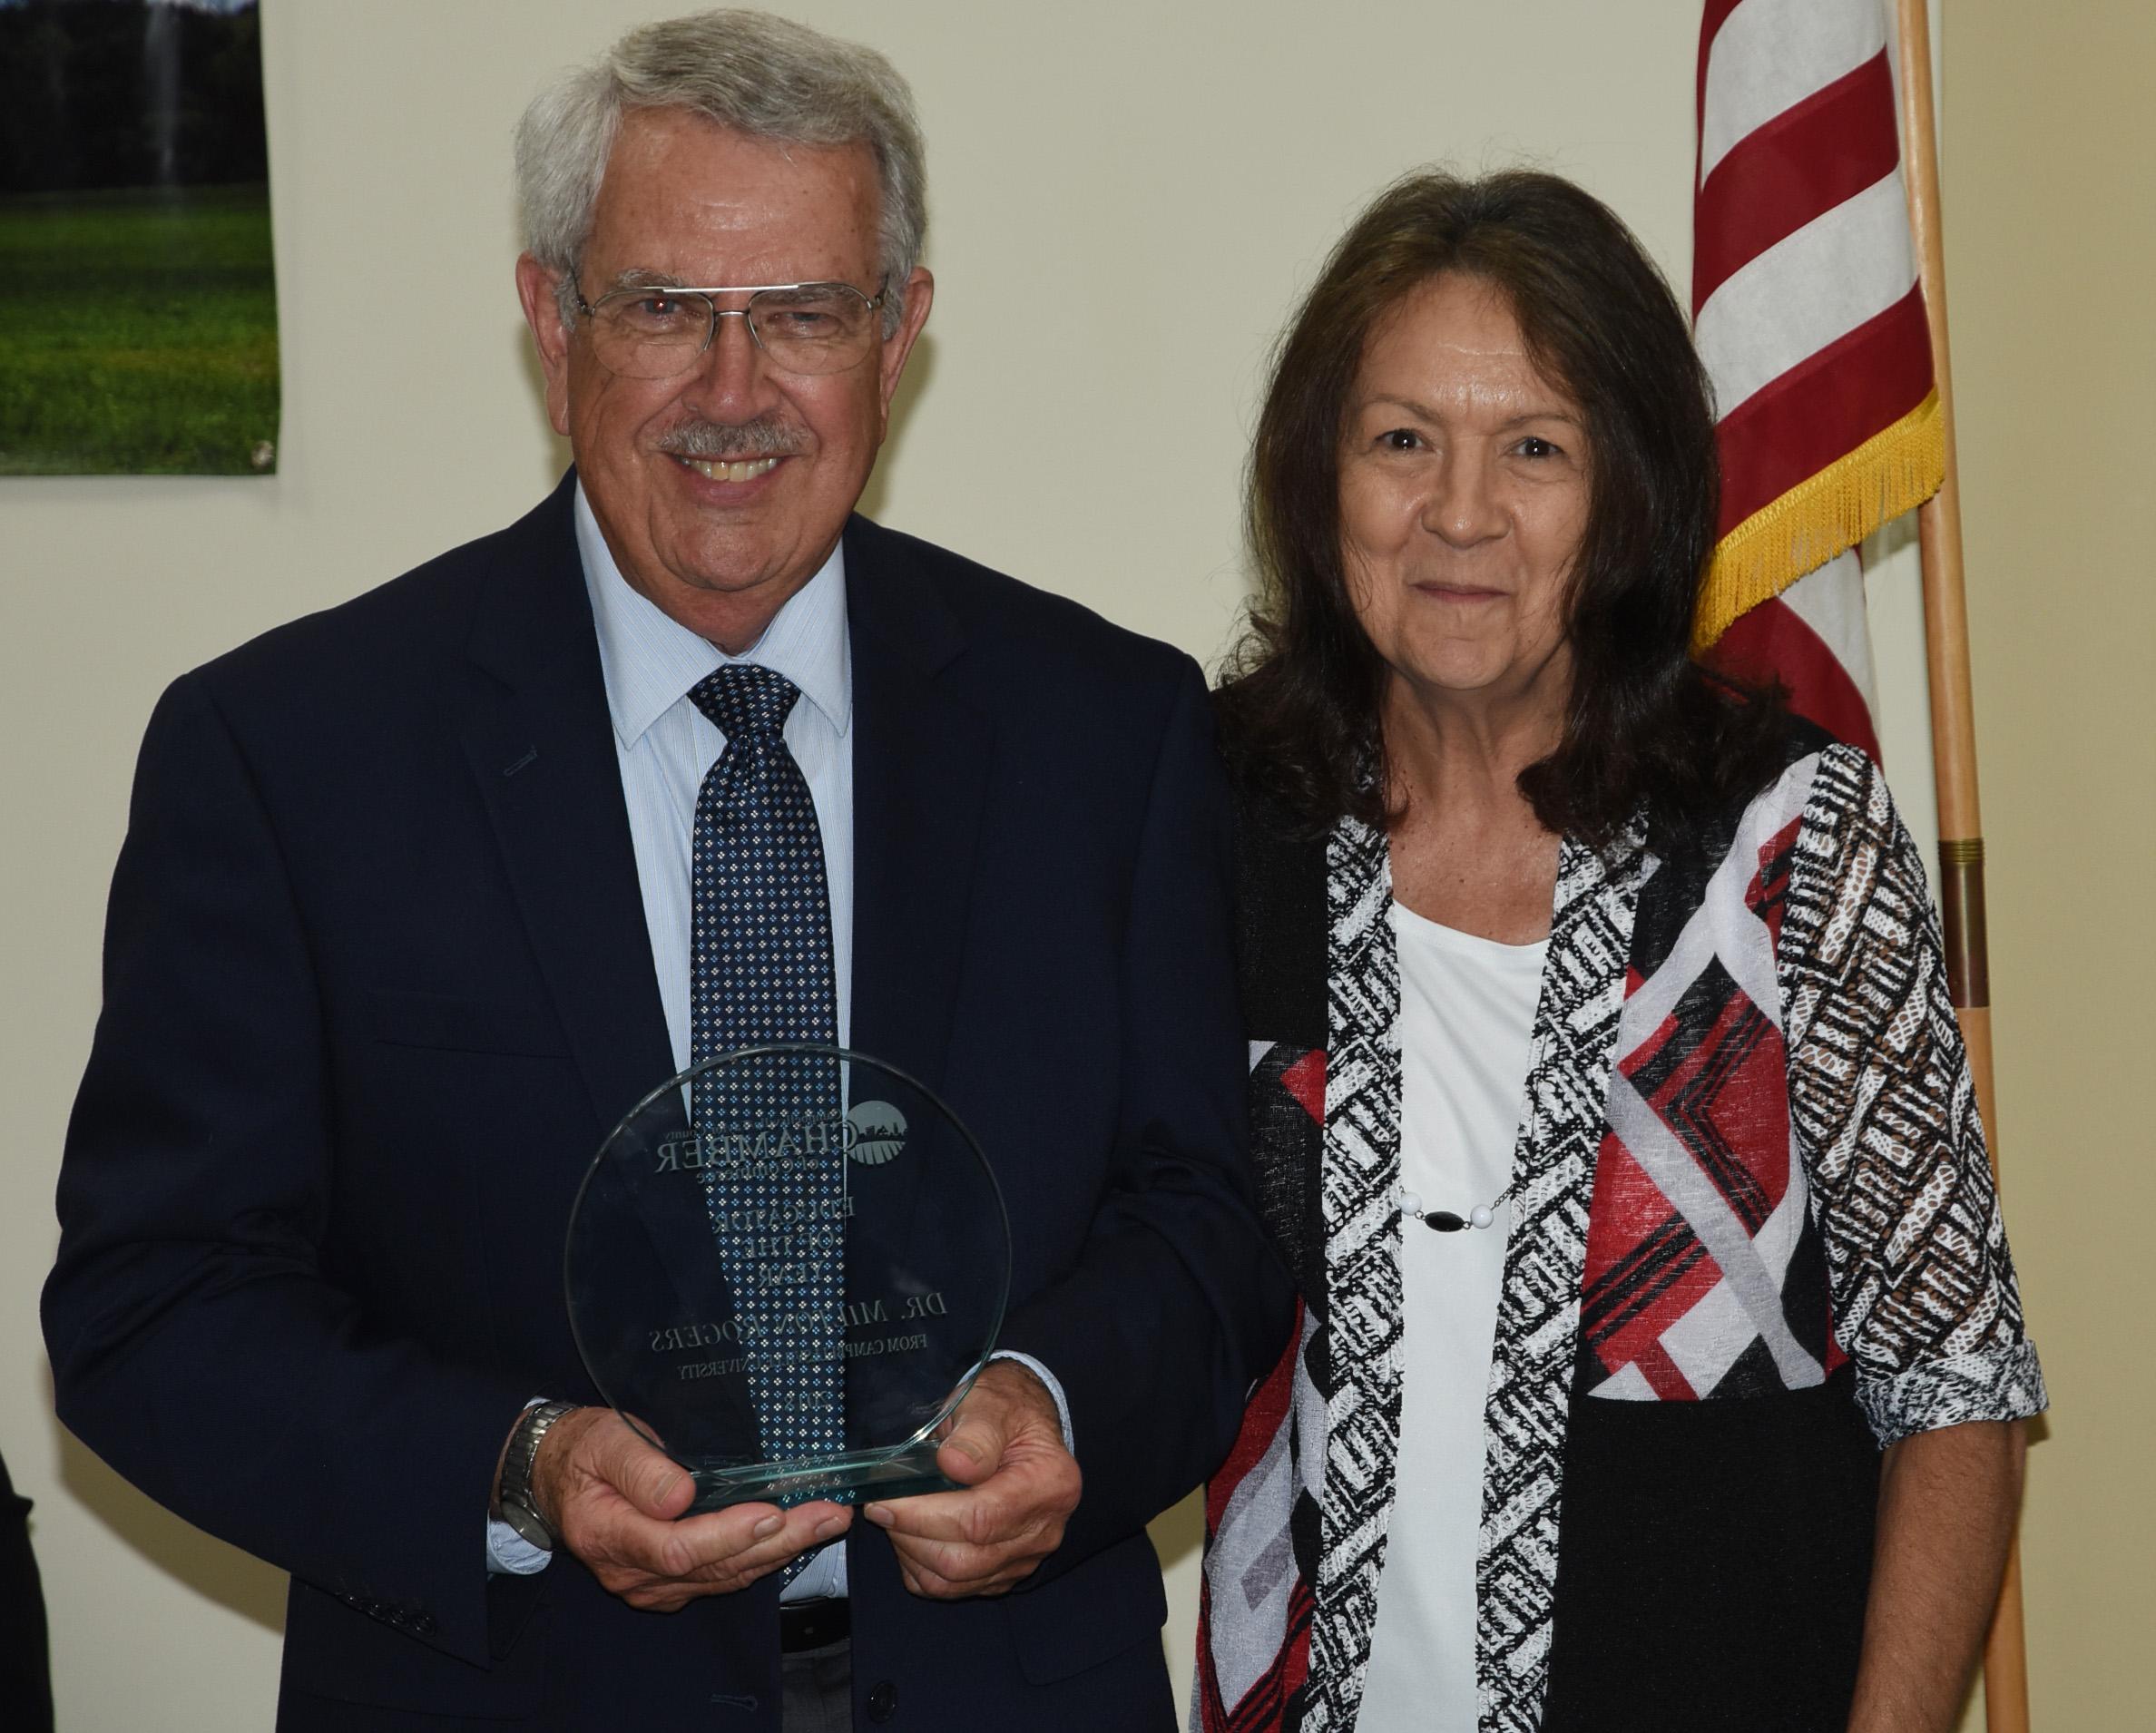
{"x":1808,"y":314}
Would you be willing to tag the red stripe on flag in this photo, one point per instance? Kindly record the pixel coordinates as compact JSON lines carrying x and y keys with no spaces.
{"x":1799,"y":165}
{"x":1712,"y":19}
{"x":1711,"y":23}
{"x":1823,"y":408}
{"x":1769,"y":645}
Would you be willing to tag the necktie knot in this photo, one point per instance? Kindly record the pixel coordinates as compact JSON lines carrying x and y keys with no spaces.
{"x":744,"y":701}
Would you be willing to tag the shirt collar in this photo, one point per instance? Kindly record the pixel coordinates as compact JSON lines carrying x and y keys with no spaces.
{"x":649,"y":659}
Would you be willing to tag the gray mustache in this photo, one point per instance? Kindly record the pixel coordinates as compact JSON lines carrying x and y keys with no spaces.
{"x":719,"y":442}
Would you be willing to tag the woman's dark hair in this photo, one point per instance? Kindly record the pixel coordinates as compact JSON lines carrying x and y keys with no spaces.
{"x":1645,"y":724}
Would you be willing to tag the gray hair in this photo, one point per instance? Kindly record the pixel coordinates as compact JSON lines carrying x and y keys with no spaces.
{"x":766,"y":77}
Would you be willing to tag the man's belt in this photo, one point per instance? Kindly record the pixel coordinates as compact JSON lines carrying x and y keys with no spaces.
{"x":814,"y":1624}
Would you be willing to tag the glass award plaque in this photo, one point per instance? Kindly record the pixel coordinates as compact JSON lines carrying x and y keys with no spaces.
{"x":784,"y":1268}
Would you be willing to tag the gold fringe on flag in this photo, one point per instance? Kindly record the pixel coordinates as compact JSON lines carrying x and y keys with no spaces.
{"x":1894,"y":471}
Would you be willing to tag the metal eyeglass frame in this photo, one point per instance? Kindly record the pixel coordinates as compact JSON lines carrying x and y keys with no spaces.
{"x":590,"y":309}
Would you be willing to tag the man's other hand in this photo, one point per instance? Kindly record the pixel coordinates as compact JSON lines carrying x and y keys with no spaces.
{"x":617,"y":1504}
{"x":1019,"y":1486}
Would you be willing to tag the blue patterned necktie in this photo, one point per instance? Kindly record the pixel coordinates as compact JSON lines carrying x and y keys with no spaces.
{"x":761,"y":970}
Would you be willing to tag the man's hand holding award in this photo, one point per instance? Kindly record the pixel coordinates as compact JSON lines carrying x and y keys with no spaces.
{"x":785,"y":1269}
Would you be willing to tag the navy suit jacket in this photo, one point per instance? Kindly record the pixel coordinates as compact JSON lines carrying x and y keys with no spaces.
{"x":376,"y":983}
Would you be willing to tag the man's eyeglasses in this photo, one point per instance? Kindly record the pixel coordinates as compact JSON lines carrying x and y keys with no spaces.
{"x":656,"y":332}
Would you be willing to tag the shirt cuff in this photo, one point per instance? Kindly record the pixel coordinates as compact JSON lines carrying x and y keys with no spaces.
{"x":1062,"y":1407}
{"x":509,"y":1554}
{"x":1991,"y":1384}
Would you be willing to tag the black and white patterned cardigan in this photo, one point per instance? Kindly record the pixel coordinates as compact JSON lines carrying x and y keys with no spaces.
{"x":1755,"y":1240}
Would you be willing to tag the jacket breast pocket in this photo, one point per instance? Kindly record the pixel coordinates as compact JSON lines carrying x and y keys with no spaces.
{"x":399,"y":1018}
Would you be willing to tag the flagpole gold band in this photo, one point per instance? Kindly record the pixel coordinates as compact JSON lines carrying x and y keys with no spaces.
{"x":1961,"y":916}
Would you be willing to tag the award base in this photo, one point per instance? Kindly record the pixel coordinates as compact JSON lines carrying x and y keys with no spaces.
{"x":850,"y":1479}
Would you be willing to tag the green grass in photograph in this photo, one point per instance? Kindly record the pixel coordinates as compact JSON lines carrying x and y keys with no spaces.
{"x":138,"y":333}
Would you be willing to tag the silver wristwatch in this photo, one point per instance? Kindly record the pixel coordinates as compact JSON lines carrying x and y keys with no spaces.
{"x":512,"y":1497}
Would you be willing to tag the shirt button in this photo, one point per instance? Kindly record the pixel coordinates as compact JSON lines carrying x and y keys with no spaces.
{"x":883,"y":1700}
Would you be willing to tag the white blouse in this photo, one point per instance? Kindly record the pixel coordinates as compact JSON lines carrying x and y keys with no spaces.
{"x":1466,"y":1014}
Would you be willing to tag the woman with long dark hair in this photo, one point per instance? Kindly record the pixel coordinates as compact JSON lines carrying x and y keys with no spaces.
{"x":1660,"y":1352}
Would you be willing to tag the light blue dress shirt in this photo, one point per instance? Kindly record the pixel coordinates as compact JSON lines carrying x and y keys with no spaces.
{"x":665,"y":745}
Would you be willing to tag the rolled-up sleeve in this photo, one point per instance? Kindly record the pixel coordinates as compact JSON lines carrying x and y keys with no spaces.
{"x":1884,"y":1109}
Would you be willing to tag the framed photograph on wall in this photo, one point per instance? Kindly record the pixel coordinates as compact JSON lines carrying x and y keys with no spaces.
{"x":138,"y":299}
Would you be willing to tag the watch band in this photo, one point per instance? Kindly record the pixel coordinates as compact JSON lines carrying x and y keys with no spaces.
{"x":512,"y":1497}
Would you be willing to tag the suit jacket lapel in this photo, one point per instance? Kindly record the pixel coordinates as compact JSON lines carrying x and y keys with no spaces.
{"x":542,"y":754}
{"x":921,"y":758}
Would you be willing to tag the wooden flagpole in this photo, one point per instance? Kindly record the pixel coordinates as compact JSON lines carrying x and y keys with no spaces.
{"x":1953,"y":753}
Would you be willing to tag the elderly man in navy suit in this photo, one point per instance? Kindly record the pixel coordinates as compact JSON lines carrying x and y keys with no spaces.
{"x":407,"y":916}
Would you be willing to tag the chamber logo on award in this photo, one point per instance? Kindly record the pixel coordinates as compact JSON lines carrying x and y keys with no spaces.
{"x":879,"y":1133}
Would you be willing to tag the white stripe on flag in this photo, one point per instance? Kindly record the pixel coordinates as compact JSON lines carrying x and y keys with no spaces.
{"x":1843,"y":268}
{"x":1830,"y":601}
{"x":1771,"y":54}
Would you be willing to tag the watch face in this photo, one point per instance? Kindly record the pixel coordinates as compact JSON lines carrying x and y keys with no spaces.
{"x":528,"y":1525}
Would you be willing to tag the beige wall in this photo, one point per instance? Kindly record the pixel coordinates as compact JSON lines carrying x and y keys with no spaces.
{"x":2050,"y":249}
{"x":1098,"y":173}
